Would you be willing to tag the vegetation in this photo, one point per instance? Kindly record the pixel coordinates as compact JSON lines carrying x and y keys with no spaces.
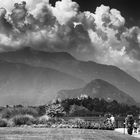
{"x":23,"y":120}
{"x":51,"y":115}
{"x":80,"y":123}
{"x":92,"y":107}
{"x":55,"y":110}
{"x":3,"y":123}
{"x":10,"y":112}
{"x":43,"y":119}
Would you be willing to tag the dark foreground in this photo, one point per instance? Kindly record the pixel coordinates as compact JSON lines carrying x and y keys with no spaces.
{"x":60,"y":134}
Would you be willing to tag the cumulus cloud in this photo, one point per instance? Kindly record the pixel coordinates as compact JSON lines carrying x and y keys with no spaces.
{"x":100,"y":36}
{"x":5,"y":26}
{"x":9,"y":4}
{"x":65,"y":10}
{"x":106,"y":17}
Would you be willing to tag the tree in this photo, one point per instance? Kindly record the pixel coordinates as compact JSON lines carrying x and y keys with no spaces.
{"x":55,"y":110}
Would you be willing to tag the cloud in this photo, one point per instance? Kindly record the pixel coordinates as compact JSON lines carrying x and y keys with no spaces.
{"x":9,"y":4}
{"x":65,"y":10}
{"x":43,"y":15}
{"x":115,"y":44}
{"x":18,"y":15}
{"x":106,"y":17}
{"x":5,"y":26}
{"x":101,"y":36}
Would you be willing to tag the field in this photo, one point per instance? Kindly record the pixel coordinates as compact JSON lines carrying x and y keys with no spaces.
{"x":60,"y":134}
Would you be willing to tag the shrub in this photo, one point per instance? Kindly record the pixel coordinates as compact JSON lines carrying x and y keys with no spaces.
{"x":80,"y":123}
{"x":10,"y":123}
{"x":107,"y":126}
{"x":11,"y":112}
{"x":3,"y":123}
{"x":41,"y":110}
{"x":43,"y":119}
{"x":77,"y":122}
{"x":23,"y":120}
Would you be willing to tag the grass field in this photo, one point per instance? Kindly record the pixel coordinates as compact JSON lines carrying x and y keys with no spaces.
{"x":60,"y":134}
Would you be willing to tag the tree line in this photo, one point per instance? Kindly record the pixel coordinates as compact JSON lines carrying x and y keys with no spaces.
{"x":90,"y":107}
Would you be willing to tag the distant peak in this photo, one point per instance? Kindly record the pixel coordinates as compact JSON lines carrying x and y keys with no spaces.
{"x":28,"y":52}
{"x":97,"y":81}
{"x":64,"y":55}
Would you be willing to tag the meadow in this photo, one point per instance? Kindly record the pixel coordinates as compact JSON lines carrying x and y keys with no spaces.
{"x":28,"y":133}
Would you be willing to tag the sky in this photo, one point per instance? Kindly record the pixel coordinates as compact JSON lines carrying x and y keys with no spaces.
{"x":104,"y":31}
{"x":128,"y":9}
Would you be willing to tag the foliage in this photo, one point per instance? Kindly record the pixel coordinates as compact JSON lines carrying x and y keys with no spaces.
{"x":23,"y":120}
{"x":11,"y":112}
{"x":55,"y":110}
{"x":3,"y":123}
{"x":80,"y":123}
{"x":101,"y":106}
{"x":43,"y":119}
{"x":49,"y":115}
{"x":76,"y":110}
{"x":42,"y":110}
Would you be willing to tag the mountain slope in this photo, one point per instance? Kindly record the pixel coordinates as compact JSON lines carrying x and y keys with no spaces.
{"x":100,"y":89}
{"x":23,"y":84}
{"x":87,"y":71}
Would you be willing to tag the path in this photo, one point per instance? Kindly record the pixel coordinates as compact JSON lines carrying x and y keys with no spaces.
{"x":124,"y":131}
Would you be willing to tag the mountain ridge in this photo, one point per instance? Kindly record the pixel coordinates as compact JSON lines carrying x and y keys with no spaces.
{"x":86,"y":71}
{"x":98,"y":89}
{"x":24,"y":84}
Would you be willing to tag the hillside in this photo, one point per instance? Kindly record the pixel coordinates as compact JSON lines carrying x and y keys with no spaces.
{"x":86,"y":71}
{"x":28,"y":85}
{"x":98,"y":89}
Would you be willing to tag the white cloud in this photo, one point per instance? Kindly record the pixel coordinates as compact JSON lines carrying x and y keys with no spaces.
{"x":9,"y":4}
{"x":116,"y":19}
{"x":64,"y":10}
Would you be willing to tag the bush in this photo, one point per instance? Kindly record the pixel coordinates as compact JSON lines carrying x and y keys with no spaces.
{"x":43,"y":120}
{"x":11,"y":112}
{"x":10,"y":123}
{"x":23,"y":120}
{"x":77,"y":122}
{"x":80,"y":123}
{"x":41,"y":110}
{"x":107,"y":126}
{"x":3,"y":123}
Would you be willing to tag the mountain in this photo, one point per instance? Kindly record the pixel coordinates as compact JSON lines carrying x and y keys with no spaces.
{"x":66,"y":63}
{"x":29,"y":85}
{"x":98,"y":89}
